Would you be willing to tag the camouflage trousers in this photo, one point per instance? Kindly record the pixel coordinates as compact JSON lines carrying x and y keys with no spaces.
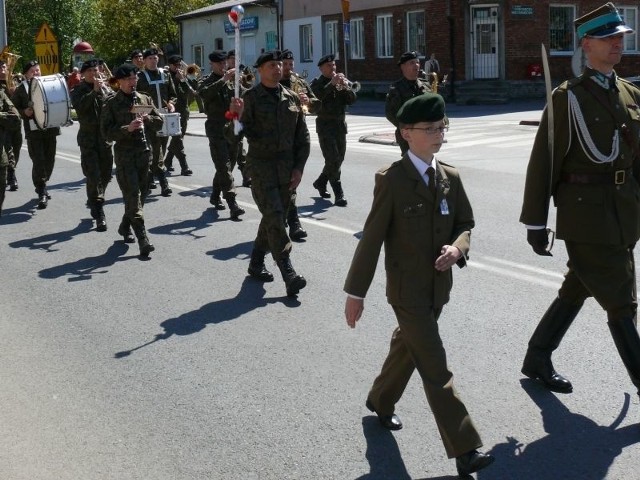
{"x":333,"y":144}
{"x":97,"y":164}
{"x":158,"y":149}
{"x":132,"y":174}
{"x":222,"y":178}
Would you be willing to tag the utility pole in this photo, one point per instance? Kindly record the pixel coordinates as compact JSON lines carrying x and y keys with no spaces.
{"x":3,"y":23}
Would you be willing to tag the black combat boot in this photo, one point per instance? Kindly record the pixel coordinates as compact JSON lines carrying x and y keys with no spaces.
{"x":246,"y":180}
{"x":168,"y":162}
{"x":164,"y":185}
{"x":12,"y":181}
{"x":234,"y":209}
{"x":101,"y":220}
{"x":146,"y":247}
{"x":292,"y":280}
{"x":152,"y":181}
{"x":340,"y":201}
{"x":43,"y":199}
{"x":124,"y":230}
{"x":185,"y":171}
{"x":625,"y":336}
{"x":321,"y":185}
{"x":257,"y":268}
{"x":545,"y":339}
{"x":296,"y":232}
{"x":215,"y":199}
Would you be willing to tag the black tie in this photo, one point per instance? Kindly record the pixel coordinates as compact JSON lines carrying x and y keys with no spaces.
{"x":432,"y":180}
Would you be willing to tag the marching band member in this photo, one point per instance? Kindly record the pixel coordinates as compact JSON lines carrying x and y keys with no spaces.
{"x":12,"y":138}
{"x":9,"y":121}
{"x":236,"y":153}
{"x":184,"y":87}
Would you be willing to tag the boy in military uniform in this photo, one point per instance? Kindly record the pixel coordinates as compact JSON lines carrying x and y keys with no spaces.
{"x":122,"y":124}
{"x":9,"y":122}
{"x":422,"y":215}
{"x":589,"y":163}
{"x":402,"y":90}
{"x":184,"y":88}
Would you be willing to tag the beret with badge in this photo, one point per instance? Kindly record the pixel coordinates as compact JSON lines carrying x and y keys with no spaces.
{"x":406,"y":56}
{"x":604,"y":21}
{"x":174,"y":59}
{"x":150,"y":51}
{"x":427,"y":107}
{"x":218,"y":56}
{"x":86,"y":65}
{"x":28,"y":65}
{"x":125,"y":71}
{"x":273,"y":55}
{"x":287,"y":55}
{"x":326,"y":59}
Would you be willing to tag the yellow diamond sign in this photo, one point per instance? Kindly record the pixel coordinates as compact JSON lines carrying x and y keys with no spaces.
{"x":47,"y":50}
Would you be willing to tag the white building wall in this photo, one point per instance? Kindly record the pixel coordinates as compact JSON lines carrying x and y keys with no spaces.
{"x":291,"y":41}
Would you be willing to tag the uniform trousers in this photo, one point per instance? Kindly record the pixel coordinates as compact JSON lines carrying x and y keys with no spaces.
{"x":219,"y":148}
{"x":42,"y":150}
{"x":333,"y":143}
{"x":416,"y":344}
{"x":132,"y":174}
{"x":176,"y":144}
{"x":158,"y":149}
{"x":97,"y":164}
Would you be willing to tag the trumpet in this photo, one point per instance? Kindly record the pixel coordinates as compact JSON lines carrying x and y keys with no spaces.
{"x":345,"y":84}
{"x":105,"y":86}
{"x":297,"y":86}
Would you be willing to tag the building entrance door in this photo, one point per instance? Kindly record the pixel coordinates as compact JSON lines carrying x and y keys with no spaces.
{"x":484,"y":39}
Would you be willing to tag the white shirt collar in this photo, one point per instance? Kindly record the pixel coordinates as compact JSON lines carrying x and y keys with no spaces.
{"x":420,"y":164}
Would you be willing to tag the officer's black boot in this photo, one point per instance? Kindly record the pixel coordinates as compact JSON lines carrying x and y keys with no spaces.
{"x":101,"y":220}
{"x":234,"y":209}
{"x":215,"y":199}
{"x":340,"y":201}
{"x":321,"y":185}
{"x":257,"y":268}
{"x":545,"y":339}
{"x":184,"y":166}
{"x":292,"y":280}
{"x":43,"y":199}
{"x":296,"y":232}
{"x":168,"y":162}
{"x":12,"y":181}
{"x":125,"y":231}
{"x":164,"y":185}
{"x":146,"y":247}
{"x":625,"y":336}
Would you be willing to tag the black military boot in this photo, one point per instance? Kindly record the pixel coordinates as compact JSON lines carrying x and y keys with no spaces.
{"x":185,"y":171}
{"x":164,"y":185}
{"x":12,"y":181}
{"x":296,"y":232}
{"x":292,"y":280}
{"x":146,"y":247}
{"x":152,"y":181}
{"x":234,"y":209}
{"x":43,"y":199}
{"x":101,"y":220}
{"x":246,"y":180}
{"x":340,"y":201}
{"x":168,"y":162}
{"x":545,"y":339}
{"x":124,"y":230}
{"x":215,"y":199}
{"x":257,"y":268}
{"x":625,"y":336}
{"x":321,"y":185}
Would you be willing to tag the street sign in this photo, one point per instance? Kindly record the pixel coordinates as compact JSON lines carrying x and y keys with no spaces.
{"x":47,"y":50}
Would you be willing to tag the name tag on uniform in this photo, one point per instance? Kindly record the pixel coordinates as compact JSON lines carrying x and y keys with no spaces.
{"x":444,"y":207}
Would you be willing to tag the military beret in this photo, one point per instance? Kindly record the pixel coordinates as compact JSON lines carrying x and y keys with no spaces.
{"x":125,"y":70}
{"x":88,"y":64}
{"x":326,"y":59}
{"x":406,"y":56}
{"x":231,"y":53}
{"x":427,"y":107}
{"x":135,"y":53}
{"x":150,"y":51}
{"x":602,"y":22}
{"x":174,"y":59}
{"x":268,"y":57}
{"x":217,"y":56}
{"x":28,"y":65}
{"x":287,"y":55}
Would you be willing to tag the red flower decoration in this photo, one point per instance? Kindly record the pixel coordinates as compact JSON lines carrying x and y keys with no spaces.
{"x":229,"y":115}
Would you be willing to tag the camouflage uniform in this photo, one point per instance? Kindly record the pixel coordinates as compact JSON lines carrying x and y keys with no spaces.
{"x":9,"y":122}
{"x":184,"y":89}
{"x":96,"y":155}
{"x":399,"y":92}
{"x":332,"y":132}
{"x":147,"y":83}
{"x":279,"y":142}
{"x":12,"y":145}
{"x":41,"y":144}
{"x":132,"y":157}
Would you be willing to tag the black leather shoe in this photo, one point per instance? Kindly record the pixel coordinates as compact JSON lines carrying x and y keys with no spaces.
{"x":166,"y":192}
{"x":539,"y":368}
{"x":42,"y":201}
{"x":322,"y":189}
{"x":185,"y":172}
{"x":101,"y":225}
{"x":341,"y":202}
{"x":472,"y":462}
{"x":296,"y":232}
{"x":391,"y":422}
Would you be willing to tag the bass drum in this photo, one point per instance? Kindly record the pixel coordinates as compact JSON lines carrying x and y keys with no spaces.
{"x":51,"y":101}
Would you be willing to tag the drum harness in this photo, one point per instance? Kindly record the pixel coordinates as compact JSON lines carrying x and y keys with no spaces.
{"x":157,"y":83}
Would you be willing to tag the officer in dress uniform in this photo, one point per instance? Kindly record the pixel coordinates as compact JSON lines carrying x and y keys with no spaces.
{"x":184,"y":88}
{"x":331,"y":89}
{"x":156,"y":83}
{"x":402,"y":90}
{"x":96,"y":155}
{"x":593,"y":175}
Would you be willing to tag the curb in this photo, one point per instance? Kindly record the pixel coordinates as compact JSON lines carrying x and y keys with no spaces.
{"x":534,"y":123}
{"x":377,"y":139}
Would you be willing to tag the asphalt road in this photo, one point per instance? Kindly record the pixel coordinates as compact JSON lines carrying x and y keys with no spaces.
{"x":182,"y":368}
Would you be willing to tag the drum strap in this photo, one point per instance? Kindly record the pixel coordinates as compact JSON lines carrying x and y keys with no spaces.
{"x":157,"y":84}
{"x":26,"y":84}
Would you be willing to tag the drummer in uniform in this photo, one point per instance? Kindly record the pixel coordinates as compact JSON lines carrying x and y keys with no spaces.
{"x":41,"y":144}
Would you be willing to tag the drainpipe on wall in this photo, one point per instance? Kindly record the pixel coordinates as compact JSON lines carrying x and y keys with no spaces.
{"x":452,"y":52}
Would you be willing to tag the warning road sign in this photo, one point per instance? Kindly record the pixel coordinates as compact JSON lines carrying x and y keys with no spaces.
{"x":47,"y":50}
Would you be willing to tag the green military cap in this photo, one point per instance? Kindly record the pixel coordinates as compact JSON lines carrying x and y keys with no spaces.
{"x":326,"y":59}
{"x":268,"y":57}
{"x":125,"y":70}
{"x":427,"y":107}
{"x":89,"y":64}
{"x":406,"y":56}
{"x":602,"y":22}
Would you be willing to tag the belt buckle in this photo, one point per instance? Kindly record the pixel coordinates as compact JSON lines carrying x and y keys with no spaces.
{"x":619,"y":177}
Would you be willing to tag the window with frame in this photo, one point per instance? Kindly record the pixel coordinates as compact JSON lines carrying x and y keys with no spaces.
{"x":416,"y":32}
{"x":331,"y":38}
{"x":306,"y":43}
{"x":630,"y":17}
{"x":197,"y":53}
{"x":384,"y":36}
{"x":357,"y":38}
{"x":561,"y":29}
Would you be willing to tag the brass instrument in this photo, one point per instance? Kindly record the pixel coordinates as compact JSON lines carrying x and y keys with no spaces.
{"x":155,"y":45}
{"x":346,"y":84}
{"x":247,"y":77}
{"x":11,"y":59}
{"x":297,"y":86}
{"x":434,"y":82}
{"x":192,"y":71}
